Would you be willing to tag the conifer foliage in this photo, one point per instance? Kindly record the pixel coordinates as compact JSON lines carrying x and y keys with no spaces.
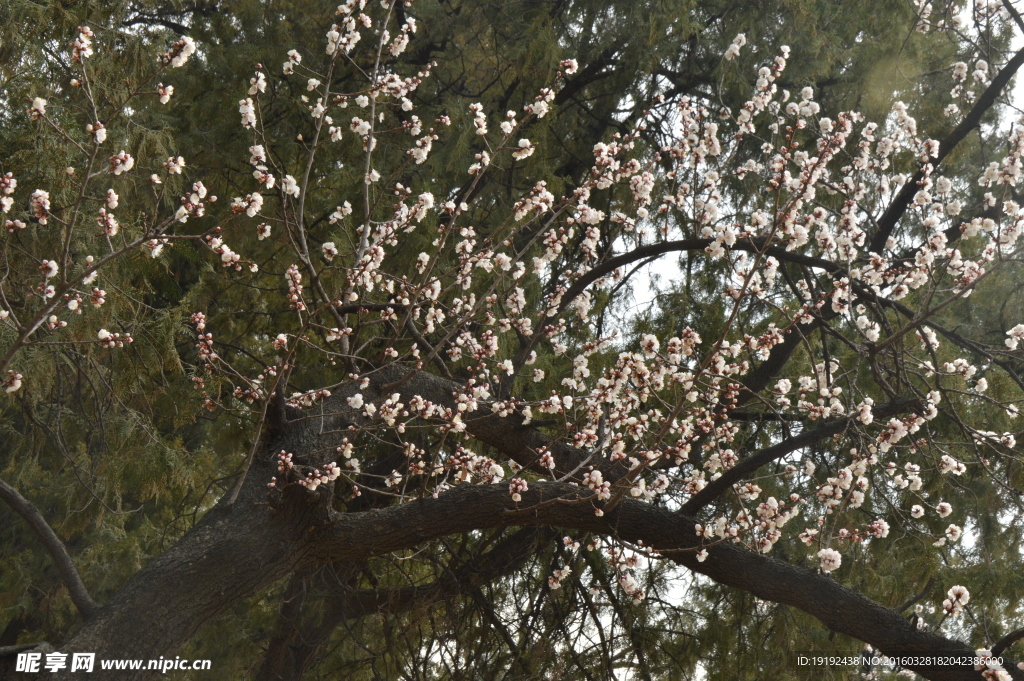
{"x":329,"y":344}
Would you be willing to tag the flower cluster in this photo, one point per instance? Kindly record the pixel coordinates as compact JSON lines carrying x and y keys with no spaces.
{"x":294,"y":278}
{"x":956,"y":598}
{"x":12,"y":383}
{"x":516,"y":488}
{"x":110,"y":339}
{"x":82,"y":45}
{"x":829,"y":560}
{"x":121,"y":162}
{"x":179,"y":52}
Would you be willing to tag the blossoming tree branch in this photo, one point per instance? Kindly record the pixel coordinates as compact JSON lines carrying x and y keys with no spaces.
{"x":423,"y":377}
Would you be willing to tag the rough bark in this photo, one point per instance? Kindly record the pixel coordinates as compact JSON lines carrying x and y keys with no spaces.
{"x":235,"y":552}
{"x":300,"y":637}
{"x":163,"y":606}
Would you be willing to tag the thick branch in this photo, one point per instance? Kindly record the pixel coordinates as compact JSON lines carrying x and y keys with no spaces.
{"x":54,"y":546}
{"x":899,"y":205}
{"x":167,"y":602}
{"x":1014,"y":13}
{"x":612,"y":264}
{"x":1007,"y":641}
{"x":653,"y":250}
{"x":472,"y":507}
{"x":769,"y":454}
{"x":505,"y":558}
{"x":508,"y":435}
{"x":300,"y":638}
{"x":914,"y":599}
{"x":234,"y":552}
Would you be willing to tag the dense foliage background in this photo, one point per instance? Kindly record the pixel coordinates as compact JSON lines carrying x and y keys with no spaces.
{"x":124,"y":451}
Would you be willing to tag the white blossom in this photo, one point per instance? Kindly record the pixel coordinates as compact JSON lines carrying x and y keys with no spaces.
{"x":257,"y":83}
{"x":248,"y":111}
{"x":829,"y":560}
{"x":38,"y":108}
{"x":181,"y":51}
{"x":290,"y":186}
{"x":1015,"y":336}
{"x":734,"y":48}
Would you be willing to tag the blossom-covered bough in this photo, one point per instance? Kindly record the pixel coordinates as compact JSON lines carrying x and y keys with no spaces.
{"x":475,"y":385}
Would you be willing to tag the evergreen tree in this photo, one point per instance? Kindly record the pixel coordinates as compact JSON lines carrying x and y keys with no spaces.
{"x":207,"y":328}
